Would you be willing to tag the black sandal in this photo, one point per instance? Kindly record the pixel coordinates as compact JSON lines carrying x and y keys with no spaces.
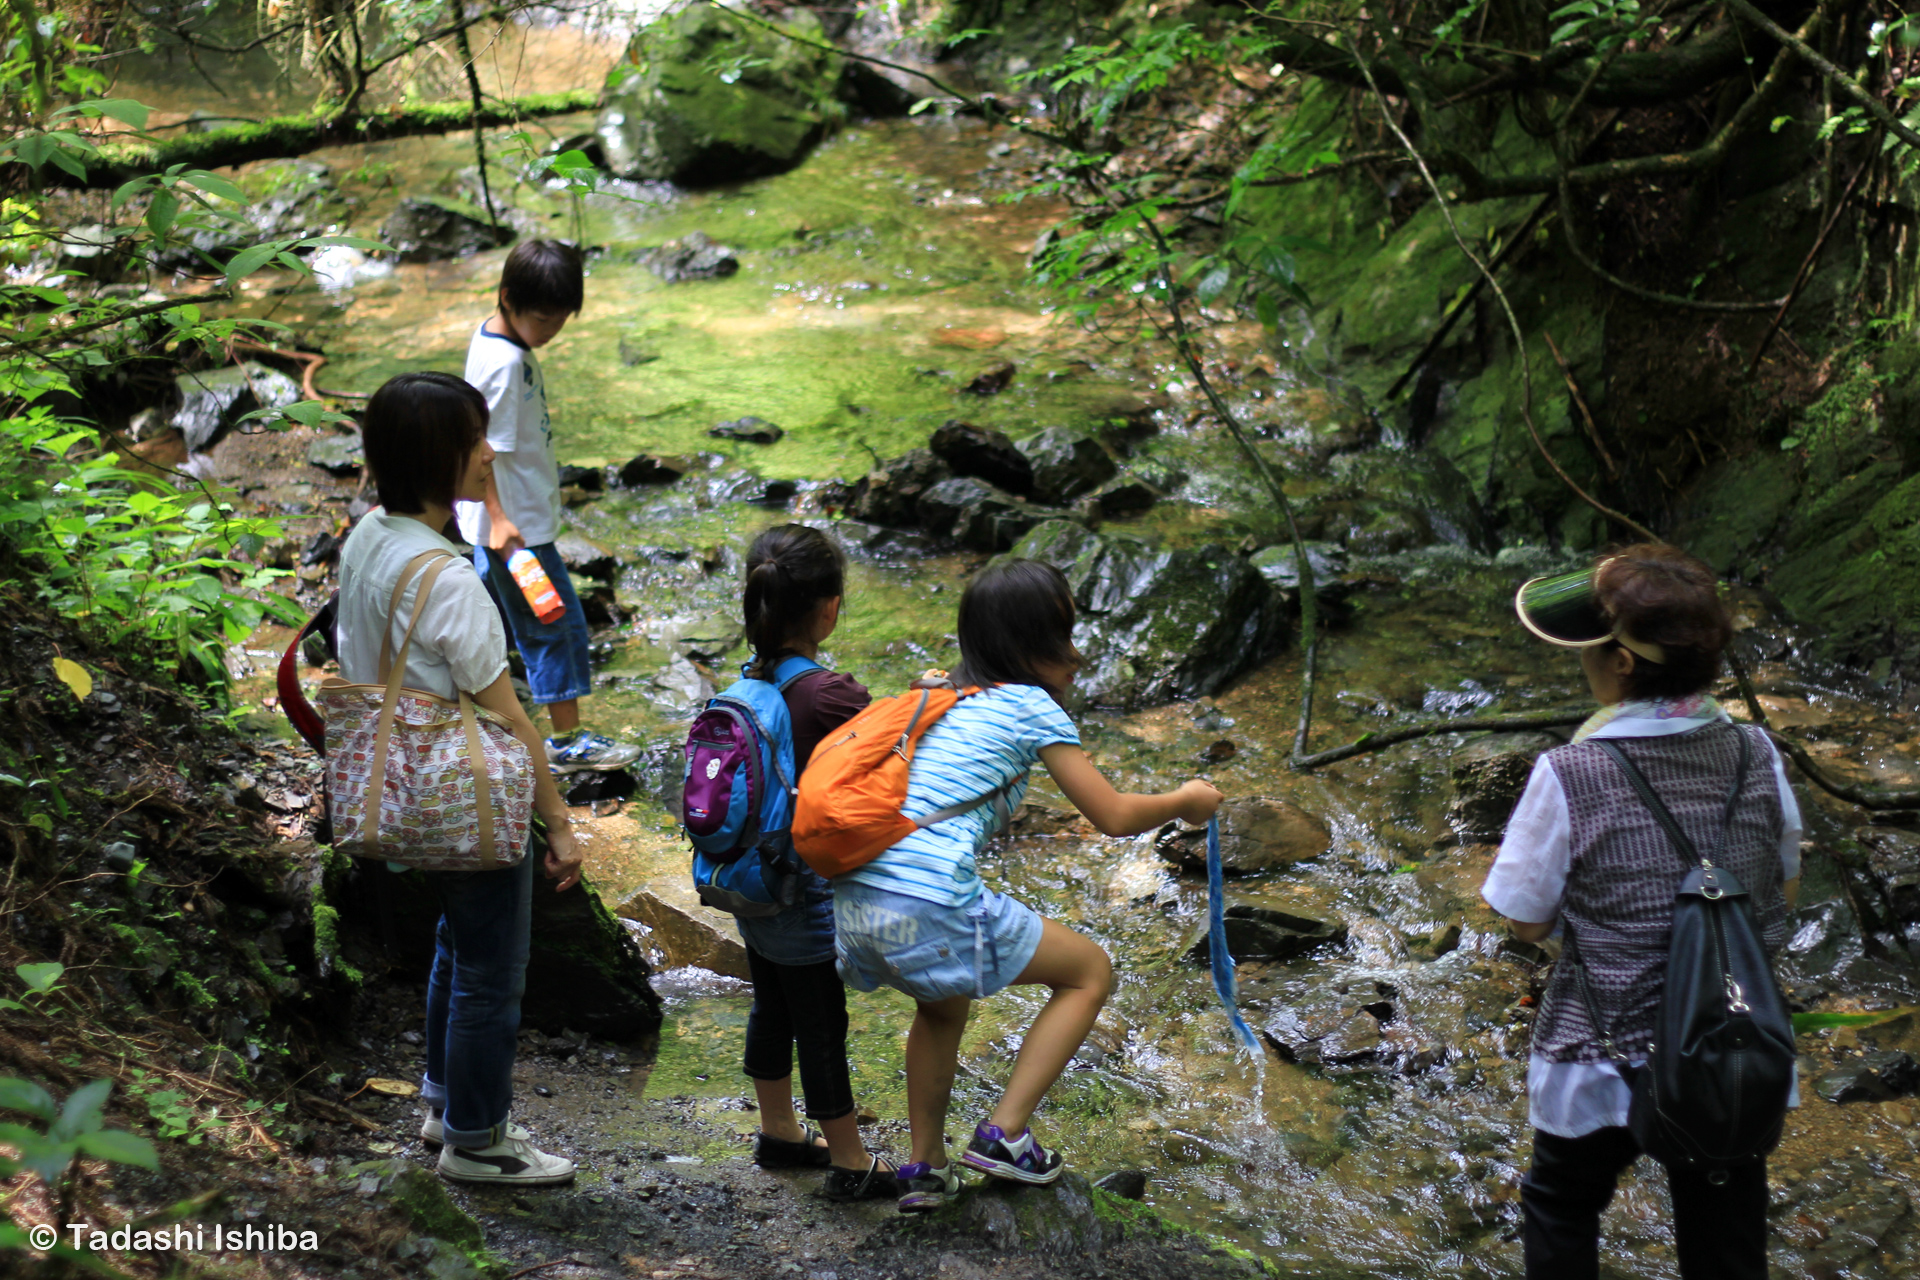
{"x":871,"y":1183}
{"x":770,"y":1152}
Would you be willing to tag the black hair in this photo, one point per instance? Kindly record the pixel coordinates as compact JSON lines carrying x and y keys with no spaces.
{"x":791,"y":568}
{"x":1660,"y":595}
{"x":1013,"y":614}
{"x":543,"y":275}
{"x":419,"y":429}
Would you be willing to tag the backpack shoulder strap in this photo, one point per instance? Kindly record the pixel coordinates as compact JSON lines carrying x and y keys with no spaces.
{"x":791,"y":668}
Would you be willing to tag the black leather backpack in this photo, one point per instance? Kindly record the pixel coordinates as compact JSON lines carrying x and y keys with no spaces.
{"x":1714,"y":1090}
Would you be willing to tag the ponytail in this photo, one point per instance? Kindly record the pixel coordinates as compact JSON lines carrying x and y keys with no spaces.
{"x":791,"y":568}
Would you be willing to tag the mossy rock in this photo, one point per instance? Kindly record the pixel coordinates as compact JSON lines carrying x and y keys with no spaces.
{"x":1156,"y":624}
{"x":1737,"y":506}
{"x":705,"y":97}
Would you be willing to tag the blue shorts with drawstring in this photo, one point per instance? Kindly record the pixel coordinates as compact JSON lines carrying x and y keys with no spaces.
{"x":929,"y":951}
{"x":558,"y":669}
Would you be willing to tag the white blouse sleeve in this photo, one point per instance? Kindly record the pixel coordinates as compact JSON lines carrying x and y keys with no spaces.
{"x":1529,"y":878}
{"x":1791,"y":825}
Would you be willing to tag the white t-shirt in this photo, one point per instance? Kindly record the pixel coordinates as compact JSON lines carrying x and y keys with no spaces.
{"x":459,"y":643}
{"x":525,"y":473}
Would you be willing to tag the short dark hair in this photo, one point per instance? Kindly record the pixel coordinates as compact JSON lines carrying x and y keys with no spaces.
{"x":791,"y":568}
{"x":1013,"y":614}
{"x":543,"y":275}
{"x":1660,"y":595}
{"x":419,"y":429}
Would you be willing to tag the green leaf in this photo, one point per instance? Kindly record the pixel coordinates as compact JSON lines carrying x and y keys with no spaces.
{"x":120,"y":1147}
{"x":1819,"y":1021}
{"x":160,"y":213}
{"x":361,"y":243}
{"x":250,"y":260}
{"x":67,"y":160}
{"x":1789,"y":443}
{"x":215,"y":185}
{"x":1267,"y":308}
{"x":82,"y":1112}
{"x":39,"y":978}
{"x":24,"y":1095}
{"x":125,"y":110}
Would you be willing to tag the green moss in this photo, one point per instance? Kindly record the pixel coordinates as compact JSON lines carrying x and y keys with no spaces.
{"x":326,"y":944}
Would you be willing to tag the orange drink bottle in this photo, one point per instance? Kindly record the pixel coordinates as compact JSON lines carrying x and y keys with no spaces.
{"x":536,"y":586}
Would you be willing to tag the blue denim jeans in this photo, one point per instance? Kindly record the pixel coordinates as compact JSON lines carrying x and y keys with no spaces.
{"x":473,"y":998}
{"x":555,"y":652}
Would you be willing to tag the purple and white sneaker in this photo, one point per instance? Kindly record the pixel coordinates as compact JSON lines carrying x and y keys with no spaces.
{"x":1020,"y":1159}
{"x":923,"y":1187}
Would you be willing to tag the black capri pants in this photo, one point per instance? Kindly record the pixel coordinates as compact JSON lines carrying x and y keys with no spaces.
{"x":804,"y":1005}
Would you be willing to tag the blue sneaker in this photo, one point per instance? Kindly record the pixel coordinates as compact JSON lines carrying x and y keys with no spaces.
{"x":924,"y":1188}
{"x":1020,"y":1159}
{"x":584,"y":752}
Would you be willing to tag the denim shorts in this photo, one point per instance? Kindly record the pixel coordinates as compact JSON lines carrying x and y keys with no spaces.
{"x":929,"y":951}
{"x":555,"y":652}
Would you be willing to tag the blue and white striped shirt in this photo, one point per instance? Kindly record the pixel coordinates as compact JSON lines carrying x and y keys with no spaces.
{"x":986,"y":741}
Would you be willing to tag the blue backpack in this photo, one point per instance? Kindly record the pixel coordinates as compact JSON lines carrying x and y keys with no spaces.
{"x":737,"y":803}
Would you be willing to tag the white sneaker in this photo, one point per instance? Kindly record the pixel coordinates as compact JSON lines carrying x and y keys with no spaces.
{"x":513,"y":1161}
{"x":433,"y":1130}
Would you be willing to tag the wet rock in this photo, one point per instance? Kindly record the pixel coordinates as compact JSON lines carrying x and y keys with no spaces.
{"x":1873,"y":1077}
{"x":890,"y":493}
{"x":94,"y":251}
{"x":993,"y":380}
{"x":339,"y":267}
{"x":586,"y":558}
{"x":1066,"y":464}
{"x":1844,"y":1219}
{"x":1124,"y":496}
{"x":977,"y":515}
{"x":669,"y":116}
{"x":341,"y":455}
{"x":1157,"y":624}
{"x":213,"y":400}
{"x":1388,"y":502}
{"x":984,"y":454}
{"x":869,"y":92}
{"x":694,"y":256}
{"x":1280,"y":566}
{"x":1058,"y":1220}
{"x":750,"y":429}
{"x":587,"y":479}
{"x":1257,"y":833}
{"x":432,"y":228}
{"x":1488,"y":776}
{"x":1893,"y":861}
{"x":1128,"y":1184}
{"x":321,"y":548}
{"x":1261,"y":933}
{"x":647,"y":468}
{"x":685,"y":931}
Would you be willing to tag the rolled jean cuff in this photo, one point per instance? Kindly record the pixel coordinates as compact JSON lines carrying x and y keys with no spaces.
{"x":472,"y":1139}
{"x":433,"y":1093}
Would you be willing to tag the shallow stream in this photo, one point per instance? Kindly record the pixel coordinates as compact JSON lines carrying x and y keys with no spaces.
{"x":875,"y":283}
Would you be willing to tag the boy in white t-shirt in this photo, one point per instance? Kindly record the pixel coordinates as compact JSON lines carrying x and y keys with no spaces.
{"x":541,"y":287}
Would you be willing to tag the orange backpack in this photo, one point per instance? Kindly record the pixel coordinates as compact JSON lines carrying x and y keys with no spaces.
{"x":853,"y":787}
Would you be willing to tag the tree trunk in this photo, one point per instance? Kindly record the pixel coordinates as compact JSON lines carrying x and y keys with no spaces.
{"x":298,"y":135}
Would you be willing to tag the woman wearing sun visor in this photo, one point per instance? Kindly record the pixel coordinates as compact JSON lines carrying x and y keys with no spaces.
{"x":1584,"y":854}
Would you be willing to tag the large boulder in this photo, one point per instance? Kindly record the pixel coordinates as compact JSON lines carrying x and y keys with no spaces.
{"x":1066,"y":464}
{"x":1257,"y":833}
{"x":213,"y":400}
{"x":985,"y":454}
{"x":1261,"y":933}
{"x":890,"y":493}
{"x":1488,"y":776}
{"x":977,"y":515}
{"x":1893,"y":861}
{"x":583,"y":972}
{"x":1280,"y":566}
{"x":429,"y":229}
{"x":684,"y":931}
{"x":703,"y":97}
{"x":695,"y":256}
{"x":1157,"y":624}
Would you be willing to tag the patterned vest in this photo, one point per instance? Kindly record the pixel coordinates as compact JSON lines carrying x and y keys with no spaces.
{"x":1625,"y":871}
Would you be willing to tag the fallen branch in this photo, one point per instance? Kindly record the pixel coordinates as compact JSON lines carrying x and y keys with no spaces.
{"x":313,"y":1102}
{"x":1580,"y":402}
{"x":1874,"y":798}
{"x":1369,"y":742}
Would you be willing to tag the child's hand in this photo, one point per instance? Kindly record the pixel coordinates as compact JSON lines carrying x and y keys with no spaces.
{"x":1198,"y":799}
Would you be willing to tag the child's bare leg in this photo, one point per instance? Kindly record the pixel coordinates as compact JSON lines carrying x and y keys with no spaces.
{"x":777,"y":1117}
{"x":1081,"y":977}
{"x":565,"y":716}
{"x":933,"y":1048}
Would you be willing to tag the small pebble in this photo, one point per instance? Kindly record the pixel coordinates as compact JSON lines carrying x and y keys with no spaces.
{"x":543,"y":1091}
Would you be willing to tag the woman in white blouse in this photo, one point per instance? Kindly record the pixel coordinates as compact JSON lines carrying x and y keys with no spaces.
{"x":1583,"y":855}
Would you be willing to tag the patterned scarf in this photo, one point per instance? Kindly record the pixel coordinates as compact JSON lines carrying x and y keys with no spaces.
{"x":1701,"y":707}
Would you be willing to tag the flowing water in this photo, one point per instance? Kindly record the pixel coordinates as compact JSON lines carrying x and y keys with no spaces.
{"x":876,"y":281}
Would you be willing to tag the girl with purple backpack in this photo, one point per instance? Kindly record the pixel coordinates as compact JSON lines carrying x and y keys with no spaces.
{"x":796,"y":579}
